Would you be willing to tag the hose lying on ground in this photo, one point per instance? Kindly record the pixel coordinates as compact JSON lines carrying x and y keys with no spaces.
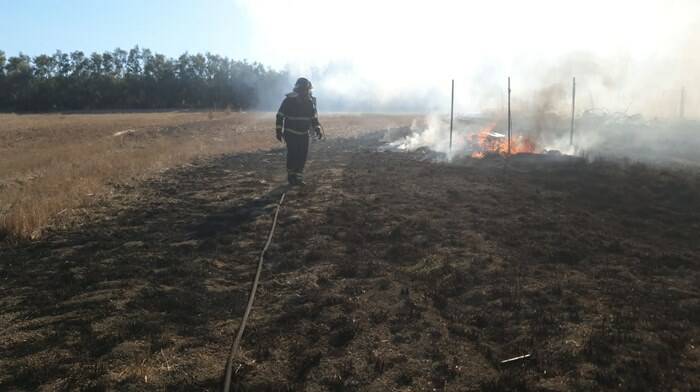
{"x":237,"y":342}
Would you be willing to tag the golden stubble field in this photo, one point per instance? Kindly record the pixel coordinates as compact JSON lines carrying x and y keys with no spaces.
{"x":53,"y":165}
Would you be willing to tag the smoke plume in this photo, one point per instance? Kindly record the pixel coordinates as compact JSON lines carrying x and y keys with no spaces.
{"x":631,"y":60}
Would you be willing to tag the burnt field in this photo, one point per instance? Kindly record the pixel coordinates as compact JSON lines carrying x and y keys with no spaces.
{"x":387,"y":272}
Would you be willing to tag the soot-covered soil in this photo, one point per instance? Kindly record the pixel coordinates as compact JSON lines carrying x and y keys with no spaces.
{"x":387,"y":272}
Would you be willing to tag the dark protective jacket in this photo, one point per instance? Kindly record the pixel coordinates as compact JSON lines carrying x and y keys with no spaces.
{"x":297,"y":115}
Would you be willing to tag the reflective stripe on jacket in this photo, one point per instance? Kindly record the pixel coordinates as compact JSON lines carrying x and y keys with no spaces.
{"x":299,"y":115}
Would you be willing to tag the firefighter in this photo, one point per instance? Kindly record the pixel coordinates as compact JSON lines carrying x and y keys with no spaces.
{"x":296,"y":117}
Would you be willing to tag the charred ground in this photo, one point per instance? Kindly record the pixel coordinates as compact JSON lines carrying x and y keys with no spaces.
{"x":388,"y":272}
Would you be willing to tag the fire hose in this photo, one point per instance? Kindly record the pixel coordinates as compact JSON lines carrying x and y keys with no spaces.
{"x":251,"y":297}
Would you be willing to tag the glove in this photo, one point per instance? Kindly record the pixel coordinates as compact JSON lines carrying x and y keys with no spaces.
{"x":279,"y":135}
{"x":318,"y":133}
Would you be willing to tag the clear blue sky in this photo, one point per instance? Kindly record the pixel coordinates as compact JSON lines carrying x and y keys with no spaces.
{"x":170,"y":27}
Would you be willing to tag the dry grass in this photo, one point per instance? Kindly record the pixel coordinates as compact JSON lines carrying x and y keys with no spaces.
{"x":52,"y":163}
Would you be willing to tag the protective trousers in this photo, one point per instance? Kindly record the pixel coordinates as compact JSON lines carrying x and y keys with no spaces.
{"x":297,"y":151}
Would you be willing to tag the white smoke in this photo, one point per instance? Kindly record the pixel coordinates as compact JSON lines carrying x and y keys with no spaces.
{"x":629,"y":57}
{"x":597,"y":133}
{"x":433,"y":132}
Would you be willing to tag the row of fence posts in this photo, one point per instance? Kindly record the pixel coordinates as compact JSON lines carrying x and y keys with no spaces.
{"x":573,"y":113}
{"x":510,"y":119}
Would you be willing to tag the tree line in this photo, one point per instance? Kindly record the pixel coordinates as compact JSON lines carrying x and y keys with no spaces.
{"x":134,"y":79}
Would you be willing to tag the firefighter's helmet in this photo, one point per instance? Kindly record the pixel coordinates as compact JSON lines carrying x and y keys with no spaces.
{"x":303,"y":85}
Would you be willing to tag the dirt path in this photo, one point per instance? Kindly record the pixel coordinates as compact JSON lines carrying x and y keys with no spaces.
{"x":387,"y":273}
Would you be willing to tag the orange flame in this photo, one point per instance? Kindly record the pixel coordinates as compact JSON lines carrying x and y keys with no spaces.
{"x":487,"y":141}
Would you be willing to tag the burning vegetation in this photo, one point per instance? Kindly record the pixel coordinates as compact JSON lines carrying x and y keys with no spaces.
{"x":489,"y":141}
{"x":474,"y":137}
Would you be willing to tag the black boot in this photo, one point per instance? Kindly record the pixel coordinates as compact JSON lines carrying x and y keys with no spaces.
{"x":295,"y":179}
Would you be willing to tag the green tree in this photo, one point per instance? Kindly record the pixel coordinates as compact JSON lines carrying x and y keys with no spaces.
{"x":134,"y":79}
{"x":4,"y":91}
{"x":79,"y":64}
{"x":63,"y":65}
{"x":133,"y":62}
{"x":43,"y":66}
{"x":108,"y":64}
{"x":120,"y":57}
{"x":18,"y":81}
{"x":3,"y":60}
{"x":95,"y":64}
